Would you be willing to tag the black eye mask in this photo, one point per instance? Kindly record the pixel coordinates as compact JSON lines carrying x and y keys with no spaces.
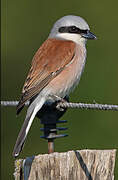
{"x":72,"y":29}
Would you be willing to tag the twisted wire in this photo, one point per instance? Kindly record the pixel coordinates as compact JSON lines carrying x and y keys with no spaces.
{"x":11,"y":103}
{"x":89,"y":106}
{"x":71,"y":105}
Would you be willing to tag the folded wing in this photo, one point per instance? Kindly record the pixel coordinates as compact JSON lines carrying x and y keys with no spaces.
{"x":50,"y":59}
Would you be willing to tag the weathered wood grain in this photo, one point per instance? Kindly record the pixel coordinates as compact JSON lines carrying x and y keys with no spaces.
{"x":71,"y":165}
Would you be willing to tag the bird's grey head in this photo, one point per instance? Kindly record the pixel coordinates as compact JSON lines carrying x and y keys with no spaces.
{"x":72,"y":28}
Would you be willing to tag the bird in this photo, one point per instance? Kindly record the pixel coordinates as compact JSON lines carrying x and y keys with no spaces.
{"x":55,"y":70}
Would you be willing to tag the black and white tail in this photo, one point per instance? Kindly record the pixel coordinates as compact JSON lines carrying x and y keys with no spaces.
{"x":31,"y":113}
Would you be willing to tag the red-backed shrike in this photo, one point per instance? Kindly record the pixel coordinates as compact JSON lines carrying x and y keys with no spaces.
{"x":56,"y":69}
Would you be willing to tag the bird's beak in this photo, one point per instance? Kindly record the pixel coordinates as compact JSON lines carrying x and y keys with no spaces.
{"x":89,"y":35}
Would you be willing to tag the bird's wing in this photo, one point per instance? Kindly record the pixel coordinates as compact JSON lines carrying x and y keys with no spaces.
{"x":50,"y":59}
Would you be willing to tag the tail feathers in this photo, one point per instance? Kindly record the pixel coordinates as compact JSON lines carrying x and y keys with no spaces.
{"x":18,"y":110}
{"x":32,"y":111}
{"x":21,"y":137}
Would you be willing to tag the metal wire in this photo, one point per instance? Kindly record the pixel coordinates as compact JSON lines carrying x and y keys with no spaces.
{"x":89,"y":106}
{"x":11,"y":103}
{"x":71,"y":105}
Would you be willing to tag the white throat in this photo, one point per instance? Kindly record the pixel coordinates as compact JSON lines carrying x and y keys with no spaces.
{"x":72,"y":37}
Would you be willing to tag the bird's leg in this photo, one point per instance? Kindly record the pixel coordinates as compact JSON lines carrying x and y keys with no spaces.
{"x":56,"y":98}
{"x":59,"y":99}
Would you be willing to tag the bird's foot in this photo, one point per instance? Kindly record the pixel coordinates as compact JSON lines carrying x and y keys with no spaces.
{"x":59,"y":100}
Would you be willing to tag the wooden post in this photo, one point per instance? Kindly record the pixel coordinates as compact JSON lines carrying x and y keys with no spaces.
{"x":71,"y":165}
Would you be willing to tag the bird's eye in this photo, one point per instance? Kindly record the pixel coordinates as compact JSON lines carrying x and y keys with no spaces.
{"x":73,"y":29}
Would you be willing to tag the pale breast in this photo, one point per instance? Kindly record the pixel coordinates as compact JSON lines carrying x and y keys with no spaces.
{"x":68,"y":79}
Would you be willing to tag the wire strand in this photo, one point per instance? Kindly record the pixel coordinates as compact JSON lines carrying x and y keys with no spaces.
{"x":71,"y":105}
{"x":11,"y":103}
{"x":89,"y":106}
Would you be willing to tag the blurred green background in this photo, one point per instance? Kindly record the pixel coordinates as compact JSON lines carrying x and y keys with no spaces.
{"x":25,"y":25}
